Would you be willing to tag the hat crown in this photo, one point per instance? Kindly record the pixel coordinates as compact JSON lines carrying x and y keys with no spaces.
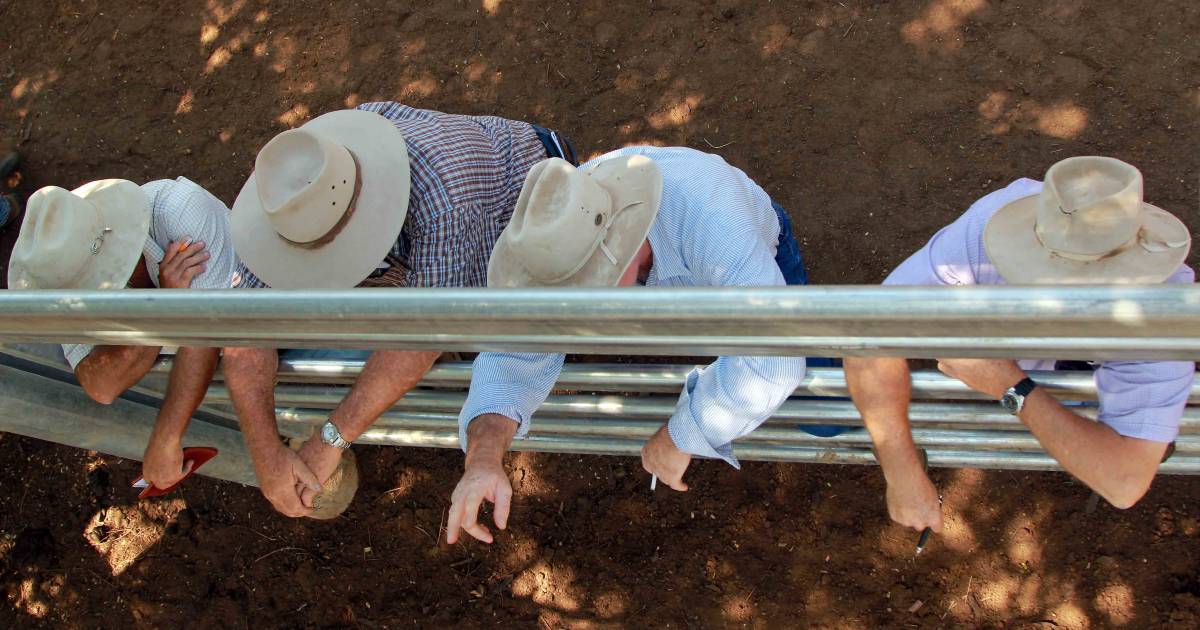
{"x":1089,"y":206}
{"x":557,"y":227}
{"x":59,"y":235}
{"x":305,"y":184}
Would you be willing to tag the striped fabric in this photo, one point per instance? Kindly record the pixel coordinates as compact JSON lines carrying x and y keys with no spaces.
{"x":1139,"y":399}
{"x":466,"y":174}
{"x":715,"y":227}
{"x":182,"y":209}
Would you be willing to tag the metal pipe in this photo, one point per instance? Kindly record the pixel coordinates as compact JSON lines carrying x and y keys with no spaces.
{"x":746,"y":451}
{"x":1064,"y":322}
{"x":772,"y":431}
{"x":658,"y":407}
{"x":47,"y":409}
{"x":665,"y":378}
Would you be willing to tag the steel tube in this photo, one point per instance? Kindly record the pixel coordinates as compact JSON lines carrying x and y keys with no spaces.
{"x":745,"y":451}
{"x":47,"y":409}
{"x":970,"y":415}
{"x":1064,"y":322}
{"x":773,"y":431}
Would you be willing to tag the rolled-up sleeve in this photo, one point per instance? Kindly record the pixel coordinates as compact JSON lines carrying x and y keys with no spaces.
{"x":513,"y":385}
{"x":1144,"y":399}
{"x":728,"y":399}
{"x":734,"y":395}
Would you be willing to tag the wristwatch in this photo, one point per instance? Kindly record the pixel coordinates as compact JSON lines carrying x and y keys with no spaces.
{"x":331,"y":436}
{"x":1014,"y":399}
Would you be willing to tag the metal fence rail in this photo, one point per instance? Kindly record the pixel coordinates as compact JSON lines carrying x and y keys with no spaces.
{"x":1151,"y":322}
{"x":611,"y":408}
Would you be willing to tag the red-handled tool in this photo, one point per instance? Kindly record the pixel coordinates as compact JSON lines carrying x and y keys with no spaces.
{"x":197,"y":455}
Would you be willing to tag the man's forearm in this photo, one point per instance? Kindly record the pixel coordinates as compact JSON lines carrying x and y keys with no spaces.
{"x":191,"y":373}
{"x":1118,"y":468}
{"x":107,"y":371}
{"x":881,"y":389}
{"x":488,"y":438}
{"x":387,"y":376}
{"x":250,"y":377}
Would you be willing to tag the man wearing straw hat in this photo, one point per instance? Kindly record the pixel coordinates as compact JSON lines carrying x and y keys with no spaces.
{"x":113,"y":234}
{"x":640,"y":215}
{"x":380,"y":196}
{"x":1086,"y":224}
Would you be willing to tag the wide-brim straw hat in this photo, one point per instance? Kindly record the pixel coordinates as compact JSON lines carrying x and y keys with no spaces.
{"x":326,"y":202}
{"x":576,"y":227}
{"x":1088,"y":225}
{"x":88,"y":238}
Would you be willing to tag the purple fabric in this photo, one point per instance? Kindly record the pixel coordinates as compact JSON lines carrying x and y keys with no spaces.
{"x":1140,"y":399}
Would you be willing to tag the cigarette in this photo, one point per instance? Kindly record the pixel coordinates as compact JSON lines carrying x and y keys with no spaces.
{"x":653,"y":482}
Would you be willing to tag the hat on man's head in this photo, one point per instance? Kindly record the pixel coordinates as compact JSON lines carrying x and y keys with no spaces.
{"x":325,"y":203}
{"x":577,"y":228}
{"x":1088,"y":225}
{"x":88,"y":238}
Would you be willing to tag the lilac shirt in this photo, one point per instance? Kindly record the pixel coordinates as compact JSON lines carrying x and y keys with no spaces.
{"x":1140,"y":399}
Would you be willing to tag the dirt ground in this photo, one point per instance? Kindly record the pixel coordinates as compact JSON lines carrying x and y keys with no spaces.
{"x":874,"y":123}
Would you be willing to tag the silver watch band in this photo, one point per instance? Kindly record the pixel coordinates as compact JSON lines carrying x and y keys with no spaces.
{"x":332,"y":436}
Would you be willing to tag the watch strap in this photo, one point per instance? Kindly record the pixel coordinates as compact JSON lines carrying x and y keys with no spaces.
{"x":1024,"y":387}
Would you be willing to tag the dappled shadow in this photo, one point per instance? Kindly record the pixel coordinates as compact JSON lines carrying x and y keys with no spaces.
{"x":873,"y":123}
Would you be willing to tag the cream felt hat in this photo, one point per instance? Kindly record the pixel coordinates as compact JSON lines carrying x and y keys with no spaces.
{"x":1088,"y":225}
{"x":88,"y":238}
{"x":325,"y":203}
{"x":577,"y":228}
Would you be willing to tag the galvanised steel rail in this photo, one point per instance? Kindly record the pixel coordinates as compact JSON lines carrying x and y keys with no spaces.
{"x":1053,"y":322}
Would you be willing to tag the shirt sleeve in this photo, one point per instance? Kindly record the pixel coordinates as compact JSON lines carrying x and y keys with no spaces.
{"x":732,"y":396}
{"x":76,"y":352}
{"x":1144,"y":399}
{"x":513,"y":385}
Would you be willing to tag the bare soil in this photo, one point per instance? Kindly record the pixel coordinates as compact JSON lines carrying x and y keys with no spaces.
{"x":874,"y":123}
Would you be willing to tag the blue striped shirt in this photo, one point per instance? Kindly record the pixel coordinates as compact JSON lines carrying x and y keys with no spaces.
{"x":715,"y":227}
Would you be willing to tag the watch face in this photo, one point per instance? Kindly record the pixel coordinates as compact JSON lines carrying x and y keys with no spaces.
{"x":1011,"y":402}
{"x":327,"y":432}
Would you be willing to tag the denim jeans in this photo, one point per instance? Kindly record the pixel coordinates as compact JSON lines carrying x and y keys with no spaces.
{"x":791,"y":263}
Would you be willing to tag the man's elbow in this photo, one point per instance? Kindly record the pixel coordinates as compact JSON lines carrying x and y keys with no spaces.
{"x":101,"y":394}
{"x":1125,"y":491}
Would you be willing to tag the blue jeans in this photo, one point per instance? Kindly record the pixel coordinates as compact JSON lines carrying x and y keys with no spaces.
{"x":791,"y":264}
{"x":5,"y":210}
{"x":557,"y":145}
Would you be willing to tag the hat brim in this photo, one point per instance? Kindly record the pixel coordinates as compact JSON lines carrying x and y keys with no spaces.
{"x":368,"y":234}
{"x":633,"y":182}
{"x":125,"y":210}
{"x":1020,"y":258}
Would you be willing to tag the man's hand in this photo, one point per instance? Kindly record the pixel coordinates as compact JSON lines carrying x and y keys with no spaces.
{"x":988,"y":376}
{"x":484,"y":480}
{"x":661,"y":457}
{"x":913,"y":502}
{"x":183,"y":261}
{"x":280,"y":473}
{"x":488,"y":438}
{"x":322,"y":459}
{"x":162,"y":463}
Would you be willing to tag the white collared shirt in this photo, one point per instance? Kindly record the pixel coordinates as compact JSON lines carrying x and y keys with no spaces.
{"x":715,"y":227}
